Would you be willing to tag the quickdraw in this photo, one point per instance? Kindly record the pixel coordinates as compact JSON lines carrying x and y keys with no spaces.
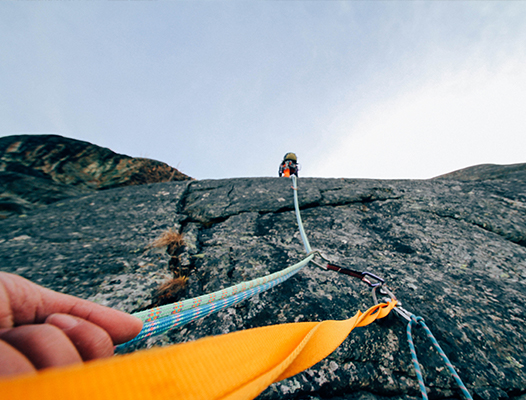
{"x":363,"y":276}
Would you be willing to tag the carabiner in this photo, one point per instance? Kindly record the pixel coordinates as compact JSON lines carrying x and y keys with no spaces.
{"x":373,"y":285}
{"x":398,"y":308}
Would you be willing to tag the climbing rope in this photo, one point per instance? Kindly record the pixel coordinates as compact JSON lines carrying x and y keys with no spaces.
{"x":298,"y":216}
{"x":163,"y":319}
{"x":419,"y":320}
{"x":180,"y":306}
{"x":415,"y":320}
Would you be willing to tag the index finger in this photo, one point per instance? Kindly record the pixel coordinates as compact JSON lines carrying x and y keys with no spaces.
{"x":23,"y":302}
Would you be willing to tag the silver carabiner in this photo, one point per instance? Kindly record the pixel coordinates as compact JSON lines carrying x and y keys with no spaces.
{"x":398,"y":308}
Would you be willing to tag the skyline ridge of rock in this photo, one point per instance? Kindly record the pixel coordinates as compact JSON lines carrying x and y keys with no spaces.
{"x":41,"y":169}
{"x":487,"y":171}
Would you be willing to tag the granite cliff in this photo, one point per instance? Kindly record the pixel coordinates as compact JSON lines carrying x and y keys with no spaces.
{"x":487,"y":171}
{"x":41,"y":169}
{"x":453,"y":252}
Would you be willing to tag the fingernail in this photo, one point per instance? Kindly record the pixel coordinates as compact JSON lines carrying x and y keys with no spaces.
{"x":62,"y":321}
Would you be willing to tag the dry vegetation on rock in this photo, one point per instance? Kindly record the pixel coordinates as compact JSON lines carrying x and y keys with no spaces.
{"x":171,"y":290}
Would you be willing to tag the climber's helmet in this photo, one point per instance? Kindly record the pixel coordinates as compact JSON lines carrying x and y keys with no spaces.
{"x":291,"y":157}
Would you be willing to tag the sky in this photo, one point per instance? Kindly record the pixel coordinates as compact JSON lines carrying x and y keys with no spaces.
{"x":223,"y":89}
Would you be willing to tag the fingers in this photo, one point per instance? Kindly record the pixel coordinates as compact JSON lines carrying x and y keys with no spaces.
{"x":20,"y":300}
{"x":91,"y":341}
{"x":13,"y":362}
{"x":62,"y":340}
{"x":7,"y":290}
{"x":23,"y":302}
{"x":43,"y":345}
{"x":120,"y":326}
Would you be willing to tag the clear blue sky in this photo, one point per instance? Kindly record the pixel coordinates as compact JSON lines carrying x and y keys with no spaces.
{"x":220,"y":89}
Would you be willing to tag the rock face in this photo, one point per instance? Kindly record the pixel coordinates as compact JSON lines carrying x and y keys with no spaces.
{"x":42,"y":169}
{"x":488,"y":171}
{"x":452,"y":251}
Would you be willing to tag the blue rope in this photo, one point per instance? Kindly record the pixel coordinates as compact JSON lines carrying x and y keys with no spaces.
{"x":177,"y":320}
{"x":419,"y":320}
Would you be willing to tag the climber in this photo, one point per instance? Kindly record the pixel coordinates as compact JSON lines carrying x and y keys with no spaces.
{"x":289,"y":166}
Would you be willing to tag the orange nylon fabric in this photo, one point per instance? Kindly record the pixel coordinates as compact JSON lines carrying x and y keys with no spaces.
{"x":238,"y":365}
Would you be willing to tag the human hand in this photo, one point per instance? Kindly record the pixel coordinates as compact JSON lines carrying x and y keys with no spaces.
{"x":40,"y":328}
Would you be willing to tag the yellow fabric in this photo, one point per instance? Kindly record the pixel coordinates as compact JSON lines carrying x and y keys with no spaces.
{"x":238,"y":365}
